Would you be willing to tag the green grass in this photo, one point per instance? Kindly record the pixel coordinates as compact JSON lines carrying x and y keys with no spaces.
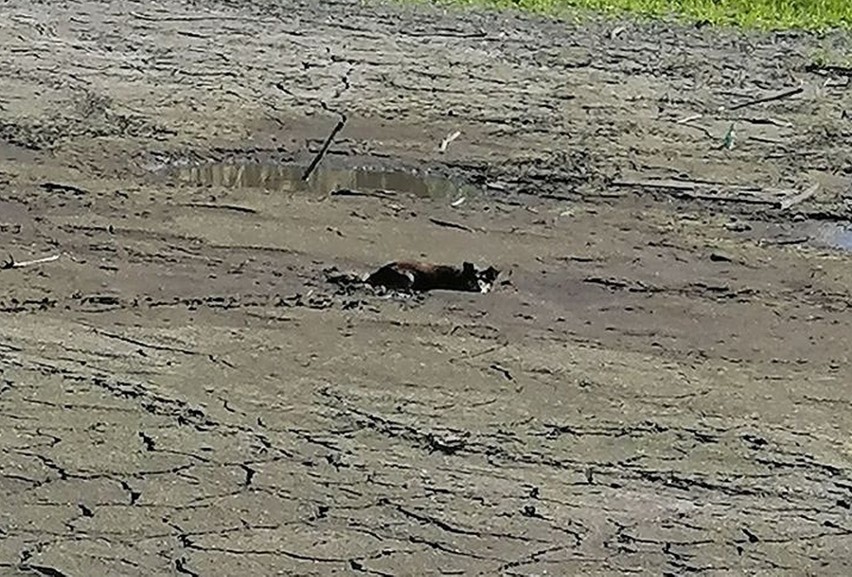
{"x":762,"y":14}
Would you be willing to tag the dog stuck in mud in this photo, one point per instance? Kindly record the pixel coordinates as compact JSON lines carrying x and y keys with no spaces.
{"x":416,"y":276}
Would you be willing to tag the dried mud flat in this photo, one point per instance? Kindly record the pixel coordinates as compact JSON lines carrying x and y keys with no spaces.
{"x":661,"y":387}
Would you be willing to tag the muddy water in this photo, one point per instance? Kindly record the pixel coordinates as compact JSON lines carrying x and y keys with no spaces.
{"x":826,"y":235}
{"x":833,"y":235}
{"x":289,"y":178}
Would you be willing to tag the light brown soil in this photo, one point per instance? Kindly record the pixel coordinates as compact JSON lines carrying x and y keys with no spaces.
{"x":656,"y":390}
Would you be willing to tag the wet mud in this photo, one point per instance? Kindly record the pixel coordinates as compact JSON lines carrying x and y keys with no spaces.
{"x":658,"y":384}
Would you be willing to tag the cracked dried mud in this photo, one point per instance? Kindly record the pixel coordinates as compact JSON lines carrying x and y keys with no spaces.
{"x":660,"y":384}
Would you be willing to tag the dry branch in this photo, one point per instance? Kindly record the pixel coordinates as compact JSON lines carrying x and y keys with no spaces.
{"x":448,"y":140}
{"x":214,"y":206}
{"x":12,"y":263}
{"x":448,"y":224}
{"x":337,"y":128}
{"x":771,"y":98}
{"x":794,"y":199}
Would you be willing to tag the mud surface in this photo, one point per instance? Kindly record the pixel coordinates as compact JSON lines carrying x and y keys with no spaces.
{"x":660,"y":385}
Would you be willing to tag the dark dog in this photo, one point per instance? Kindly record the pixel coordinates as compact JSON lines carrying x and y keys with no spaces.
{"x":421,"y":276}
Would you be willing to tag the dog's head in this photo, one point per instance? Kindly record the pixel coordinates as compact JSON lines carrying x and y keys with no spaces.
{"x":479,"y":280}
{"x":486,"y":278}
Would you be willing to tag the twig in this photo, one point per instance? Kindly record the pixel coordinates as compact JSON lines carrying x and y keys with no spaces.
{"x":676,"y":185}
{"x":449,"y":139}
{"x":229,"y":17}
{"x":767,"y":140}
{"x":446,"y":33}
{"x":340,"y":124}
{"x":794,"y":199}
{"x":57,"y":187}
{"x":503,"y":371}
{"x":690,"y":118}
{"x":779,"y":96}
{"x":772,"y":121}
{"x":829,"y":68}
{"x":378,"y":193}
{"x":706,"y":131}
{"x":448,"y":224}
{"x":11,"y":263}
{"x":784,"y":241}
{"x":480,"y":353}
{"x":139,"y":343}
{"x":232,"y":207}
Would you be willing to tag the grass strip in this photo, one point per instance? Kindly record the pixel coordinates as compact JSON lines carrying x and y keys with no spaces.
{"x":761,"y":14}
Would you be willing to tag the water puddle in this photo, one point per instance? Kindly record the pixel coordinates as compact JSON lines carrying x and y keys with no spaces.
{"x":833,"y":235}
{"x":830,"y":235}
{"x":288,"y":178}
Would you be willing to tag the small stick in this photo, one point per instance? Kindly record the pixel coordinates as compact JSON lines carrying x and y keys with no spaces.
{"x":798,"y":197}
{"x":830,"y":68}
{"x":378,"y":193}
{"x":785,"y":241}
{"x":779,"y":96}
{"x":11,"y":263}
{"x":773,"y":121}
{"x":480,"y":353}
{"x":340,"y":124}
{"x":448,"y":224}
{"x":448,"y":140}
{"x":697,"y":127}
{"x":690,"y":118}
{"x":210,"y":205}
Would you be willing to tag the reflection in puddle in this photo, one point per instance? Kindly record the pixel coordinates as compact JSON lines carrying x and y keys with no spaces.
{"x":834,"y":235}
{"x":288,"y":178}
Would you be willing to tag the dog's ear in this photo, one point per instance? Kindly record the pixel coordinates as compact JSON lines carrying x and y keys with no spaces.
{"x":468,"y":268}
{"x":490,"y":274}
